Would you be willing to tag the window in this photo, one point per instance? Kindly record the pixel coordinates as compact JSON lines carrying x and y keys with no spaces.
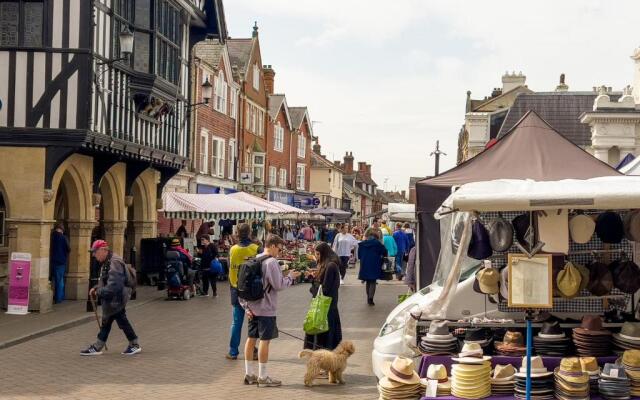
{"x":168,"y":38}
{"x":256,"y":77}
{"x":231,"y":169}
{"x":221,"y":94}
{"x":259,"y":122}
{"x":283,"y":177}
{"x":217,"y":157}
{"x":21,"y":23}
{"x":258,"y":167}
{"x":273,"y":172}
{"x":233,"y":111}
{"x":204,"y":151}
{"x":302,"y":146}
{"x":300,"y":177}
{"x":278,"y":139}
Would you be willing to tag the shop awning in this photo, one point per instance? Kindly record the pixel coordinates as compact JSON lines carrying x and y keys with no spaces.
{"x":274,"y":208}
{"x":612,"y":192}
{"x":331,"y":213}
{"x":401,"y":212}
{"x":209,"y":207}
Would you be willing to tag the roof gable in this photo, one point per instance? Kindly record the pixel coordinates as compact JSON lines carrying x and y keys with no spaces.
{"x":298,"y":117}
{"x":502,"y":101}
{"x":277,"y":103}
{"x":240,"y":52}
{"x":320,"y":161}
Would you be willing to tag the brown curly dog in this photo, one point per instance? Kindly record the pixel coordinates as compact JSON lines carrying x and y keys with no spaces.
{"x":334,"y":362}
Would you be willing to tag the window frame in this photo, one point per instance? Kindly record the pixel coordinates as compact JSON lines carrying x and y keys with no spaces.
{"x":283,"y":178}
{"x":218,"y":161}
{"x":203,"y":156}
{"x":302,"y":146}
{"x":273,"y":175}
{"x":300,"y":177}
{"x":258,"y":178}
{"x":278,"y":137}
{"x":231,"y":160}
{"x":220,"y":103}
{"x":21,"y":25}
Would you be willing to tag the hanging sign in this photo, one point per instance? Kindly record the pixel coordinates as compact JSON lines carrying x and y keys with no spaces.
{"x":19,"y":278}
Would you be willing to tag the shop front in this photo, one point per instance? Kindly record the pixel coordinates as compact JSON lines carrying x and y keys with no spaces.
{"x":282,"y":197}
{"x":305,"y":200}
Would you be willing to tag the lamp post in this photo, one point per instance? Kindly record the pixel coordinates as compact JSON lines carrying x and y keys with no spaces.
{"x":125,"y":39}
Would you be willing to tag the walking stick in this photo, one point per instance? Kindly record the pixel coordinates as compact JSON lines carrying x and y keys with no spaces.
{"x":95,"y":312}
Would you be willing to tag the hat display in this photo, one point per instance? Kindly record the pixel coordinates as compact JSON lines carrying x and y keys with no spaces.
{"x":600,"y":279}
{"x":614,"y":383}
{"x":581,"y":228}
{"x":628,"y":338}
{"x":471,"y":381}
{"x":400,"y":380}
{"x":402,"y":370}
{"x":480,"y":245}
{"x":631,"y":364}
{"x":591,"y":339}
{"x":569,"y":281}
{"x":631,"y":222}
{"x":438,"y":372}
{"x":551,"y":341}
{"x":542,"y":381}
{"x":482,"y":336}
{"x":570,"y":381}
{"x":471,"y":354}
{"x":488,"y":280}
{"x":504,"y":283}
{"x":438,"y":341}
{"x":609,"y":227}
{"x":525,"y":233}
{"x":511,"y":345}
{"x":590,"y":367}
{"x":553,"y":231}
{"x":585,"y":273}
{"x":503,"y":379}
{"x":500,"y":234}
{"x":626,"y":275}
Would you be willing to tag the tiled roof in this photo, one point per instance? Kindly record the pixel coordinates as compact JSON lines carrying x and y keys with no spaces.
{"x":240,"y":53}
{"x":561,"y":110}
{"x":355,"y":190}
{"x":319,"y":161}
{"x":275,"y":102}
{"x":297,"y":115}
{"x":209,"y":51}
{"x":362,"y":177}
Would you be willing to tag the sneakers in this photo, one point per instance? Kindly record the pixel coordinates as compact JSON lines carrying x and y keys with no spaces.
{"x":230,"y":357}
{"x":250,"y":380}
{"x":132,"y":349}
{"x":91,"y":351}
{"x":268,"y":382}
{"x":342,"y":281}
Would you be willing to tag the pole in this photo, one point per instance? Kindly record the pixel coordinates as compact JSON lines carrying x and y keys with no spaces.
{"x":529,"y":351}
{"x":437,"y":152}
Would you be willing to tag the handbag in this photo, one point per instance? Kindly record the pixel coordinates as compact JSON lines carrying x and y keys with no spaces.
{"x":216,"y":267}
{"x":317,"y":320}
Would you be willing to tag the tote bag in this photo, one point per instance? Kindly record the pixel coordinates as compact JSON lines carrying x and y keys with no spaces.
{"x":317,"y":320}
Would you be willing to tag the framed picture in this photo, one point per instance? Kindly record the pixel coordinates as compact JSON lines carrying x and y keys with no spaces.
{"x":530,"y":281}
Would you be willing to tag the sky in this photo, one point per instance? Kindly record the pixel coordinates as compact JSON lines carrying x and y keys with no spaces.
{"x":387,"y":79}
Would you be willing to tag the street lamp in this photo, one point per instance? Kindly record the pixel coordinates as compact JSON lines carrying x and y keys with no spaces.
{"x":207,"y":93}
{"x":125,"y":39}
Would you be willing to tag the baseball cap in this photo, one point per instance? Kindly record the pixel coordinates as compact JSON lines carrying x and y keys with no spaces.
{"x":98,"y":244}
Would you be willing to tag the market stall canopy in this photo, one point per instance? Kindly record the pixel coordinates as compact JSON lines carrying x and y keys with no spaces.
{"x":605,"y":193}
{"x":209,"y":206}
{"x":331,"y":213}
{"x":273,"y":208}
{"x":401,"y":212}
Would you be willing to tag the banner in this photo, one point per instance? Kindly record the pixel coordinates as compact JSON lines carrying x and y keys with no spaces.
{"x":19,"y":278}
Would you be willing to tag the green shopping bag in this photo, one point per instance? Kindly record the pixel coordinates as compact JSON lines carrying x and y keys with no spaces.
{"x":317,"y":320}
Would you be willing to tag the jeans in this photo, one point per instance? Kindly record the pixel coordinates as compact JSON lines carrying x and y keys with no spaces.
{"x":399,"y":270}
{"x":58,"y":279}
{"x":344,"y":263}
{"x":123,"y":323}
{"x":208,"y":277}
{"x":236,"y":324}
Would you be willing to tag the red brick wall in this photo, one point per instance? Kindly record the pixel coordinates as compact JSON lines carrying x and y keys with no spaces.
{"x":276,"y":158}
{"x":167,"y":226}
{"x":306,"y":131}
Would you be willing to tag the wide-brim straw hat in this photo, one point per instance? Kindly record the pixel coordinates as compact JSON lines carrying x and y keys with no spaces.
{"x":401,"y":369}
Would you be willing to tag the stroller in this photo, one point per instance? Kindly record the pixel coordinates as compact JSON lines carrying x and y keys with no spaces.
{"x":178,"y":286}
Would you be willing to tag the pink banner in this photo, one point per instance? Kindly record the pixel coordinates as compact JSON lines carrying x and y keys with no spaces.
{"x":19,"y":278}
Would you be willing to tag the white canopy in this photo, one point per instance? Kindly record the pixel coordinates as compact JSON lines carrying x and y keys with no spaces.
{"x":401,"y":211}
{"x":273,"y":208}
{"x":209,"y":206}
{"x":612,"y":192}
{"x":633,"y":168}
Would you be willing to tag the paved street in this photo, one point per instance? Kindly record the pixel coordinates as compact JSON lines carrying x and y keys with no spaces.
{"x":183,"y":353}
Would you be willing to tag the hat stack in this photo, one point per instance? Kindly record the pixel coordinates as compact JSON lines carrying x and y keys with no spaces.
{"x":614,"y":383}
{"x":471,"y":377}
{"x":591,"y":339}
{"x":481,"y":336}
{"x":631,"y":364}
{"x":590,"y":367}
{"x":400,"y":381}
{"x":439,"y":341}
{"x":511,"y":345}
{"x":437,"y":372}
{"x":551,"y":341}
{"x":570,"y":381}
{"x":503,"y":380}
{"x":541,"y":380}
{"x":628,"y":338}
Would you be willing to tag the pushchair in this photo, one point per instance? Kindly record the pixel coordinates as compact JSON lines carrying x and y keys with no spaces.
{"x":178,"y":279}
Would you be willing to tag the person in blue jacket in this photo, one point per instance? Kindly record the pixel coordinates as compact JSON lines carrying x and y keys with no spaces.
{"x":371,"y":254}
{"x":402,"y":245}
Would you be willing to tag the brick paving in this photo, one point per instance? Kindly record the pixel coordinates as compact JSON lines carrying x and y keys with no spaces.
{"x":183,"y":353}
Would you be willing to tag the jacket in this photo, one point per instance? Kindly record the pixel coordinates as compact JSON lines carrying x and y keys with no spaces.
{"x":411,"y":237}
{"x":330,"y":284}
{"x":402,"y":242}
{"x":273,"y":281}
{"x":371,"y":253}
{"x":59,"y":249}
{"x":209,"y":254}
{"x":390,"y":244}
{"x":111,"y":289}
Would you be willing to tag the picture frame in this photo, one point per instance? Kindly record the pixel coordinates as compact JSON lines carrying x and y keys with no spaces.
{"x":530,"y":281}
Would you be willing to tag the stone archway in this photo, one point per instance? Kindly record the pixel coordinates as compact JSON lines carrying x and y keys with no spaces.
{"x":142,"y":216}
{"x":113,"y":211}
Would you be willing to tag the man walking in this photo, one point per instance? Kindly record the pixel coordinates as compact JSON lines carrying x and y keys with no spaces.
{"x":59,"y":255}
{"x":262,"y":314}
{"x":114,"y":290}
{"x":402,"y":244}
{"x":238,"y":254}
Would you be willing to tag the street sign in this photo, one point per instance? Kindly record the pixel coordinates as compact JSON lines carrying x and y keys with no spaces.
{"x":19,"y":277}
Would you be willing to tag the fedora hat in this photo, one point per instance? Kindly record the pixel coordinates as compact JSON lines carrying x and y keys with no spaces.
{"x":478,"y":335}
{"x":503,"y":373}
{"x":551,"y":330}
{"x":591,"y":325}
{"x":401,"y":369}
{"x":631,"y":358}
{"x":581,"y":228}
{"x":488,"y":280}
{"x":390,"y":384}
{"x":437,"y":372}
{"x":471,"y":353}
{"x":500,"y":234}
{"x":525,"y":233}
{"x":537,"y":368}
{"x":630,"y":332}
{"x":585,"y":275}
{"x":613,"y":371}
{"x":512,"y":341}
{"x":480,"y":245}
{"x":609,"y":227}
{"x":553,"y":231}
{"x":439,"y":329}
{"x":570,"y":370}
{"x":626,"y":275}
{"x":600,"y":279}
{"x":631,"y":222}
{"x":589,"y":365}
{"x":569,"y":281}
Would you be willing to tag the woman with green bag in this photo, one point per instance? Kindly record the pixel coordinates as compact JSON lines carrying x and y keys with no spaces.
{"x":326,"y":276}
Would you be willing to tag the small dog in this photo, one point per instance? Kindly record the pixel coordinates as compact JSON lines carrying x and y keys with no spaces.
{"x":334,"y":362}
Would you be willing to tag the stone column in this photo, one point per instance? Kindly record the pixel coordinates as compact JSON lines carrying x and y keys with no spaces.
{"x":143,"y":230}
{"x":114,"y":235}
{"x":76,"y":284}
{"x":601,"y":153}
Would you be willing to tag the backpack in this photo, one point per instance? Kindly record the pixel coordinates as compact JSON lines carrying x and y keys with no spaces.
{"x":216,"y":267}
{"x":130,"y":279}
{"x":250,"y":285}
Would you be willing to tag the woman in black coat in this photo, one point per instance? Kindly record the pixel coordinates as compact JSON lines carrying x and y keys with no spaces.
{"x":327,"y":275}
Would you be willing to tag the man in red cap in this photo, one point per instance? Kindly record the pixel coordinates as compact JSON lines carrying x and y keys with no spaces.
{"x":114,"y":290}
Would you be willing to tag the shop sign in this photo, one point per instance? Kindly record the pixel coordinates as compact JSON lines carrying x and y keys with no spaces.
{"x":19,"y":278}
{"x":207,"y":189}
{"x":281,"y":197}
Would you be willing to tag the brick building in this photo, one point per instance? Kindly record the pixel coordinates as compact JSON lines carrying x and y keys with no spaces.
{"x":280,"y":180}
{"x":302,"y":135}
{"x":365,"y":185}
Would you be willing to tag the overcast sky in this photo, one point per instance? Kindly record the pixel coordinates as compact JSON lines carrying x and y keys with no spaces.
{"x":386,"y":79}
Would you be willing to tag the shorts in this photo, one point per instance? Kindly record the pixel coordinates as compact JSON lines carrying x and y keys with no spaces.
{"x":263,"y":328}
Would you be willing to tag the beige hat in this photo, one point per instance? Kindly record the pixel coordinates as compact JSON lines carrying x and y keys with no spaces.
{"x":582,"y":228}
{"x":488,"y":279}
{"x":590,"y":365}
{"x":537,"y":368}
{"x":631,"y":223}
{"x":553,"y":231}
{"x":503,"y":373}
{"x":471,"y":354}
{"x":569,"y":281}
{"x":437,"y":372}
{"x":401,"y":369}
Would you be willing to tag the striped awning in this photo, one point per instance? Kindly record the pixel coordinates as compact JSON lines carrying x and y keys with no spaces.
{"x":209,"y":207}
{"x":273,"y":207}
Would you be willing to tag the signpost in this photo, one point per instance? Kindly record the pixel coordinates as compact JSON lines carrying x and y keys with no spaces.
{"x":19,"y":278}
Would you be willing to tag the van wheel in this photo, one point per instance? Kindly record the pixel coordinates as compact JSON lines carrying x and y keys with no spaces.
{"x":187,"y":294}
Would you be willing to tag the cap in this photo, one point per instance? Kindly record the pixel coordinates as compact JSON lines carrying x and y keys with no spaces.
{"x":98,"y":244}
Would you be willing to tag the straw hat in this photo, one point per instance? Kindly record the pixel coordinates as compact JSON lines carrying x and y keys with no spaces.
{"x":590,"y":365}
{"x":503,"y":373}
{"x":570,"y":370}
{"x":488,"y":279}
{"x":630,"y":332}
{"x":401,"y":369}
{"x":471,"y":354}
{"x":631,"y":358}
{"x":581,"y":228}
{"x":437,"y":372}
{"x":537,"y":368}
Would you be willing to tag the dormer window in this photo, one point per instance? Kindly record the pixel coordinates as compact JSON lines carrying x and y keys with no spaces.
{"x":256,"y":77}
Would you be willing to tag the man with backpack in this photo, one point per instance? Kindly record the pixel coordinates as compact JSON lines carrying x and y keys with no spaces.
{"x":259,"y":281}
{"x":117,"y":281}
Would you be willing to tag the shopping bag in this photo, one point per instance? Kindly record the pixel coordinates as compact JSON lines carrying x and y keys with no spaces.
{"x":317,"y":320}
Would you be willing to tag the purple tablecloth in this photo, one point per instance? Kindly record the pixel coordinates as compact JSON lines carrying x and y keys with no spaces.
{"x":494,"y":398}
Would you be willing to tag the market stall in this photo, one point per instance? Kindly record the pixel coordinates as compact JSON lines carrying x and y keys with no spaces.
{"x":209,"y":207}
{"x":555,"y":262}
{"x":401,"y":212}
{"x":331,"y":214}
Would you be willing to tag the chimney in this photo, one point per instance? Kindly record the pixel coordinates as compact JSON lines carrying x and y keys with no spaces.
{"x":348,"y":163}
{"x":496,"y":92}
{"x":562,"y":87}
{"x":368,"y":170}
{"x":316,"y":148}
{"x":337,"y":163}
{"x":269,"y":78}
{"x":512,"y":80}
{"x":362,"y":166}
